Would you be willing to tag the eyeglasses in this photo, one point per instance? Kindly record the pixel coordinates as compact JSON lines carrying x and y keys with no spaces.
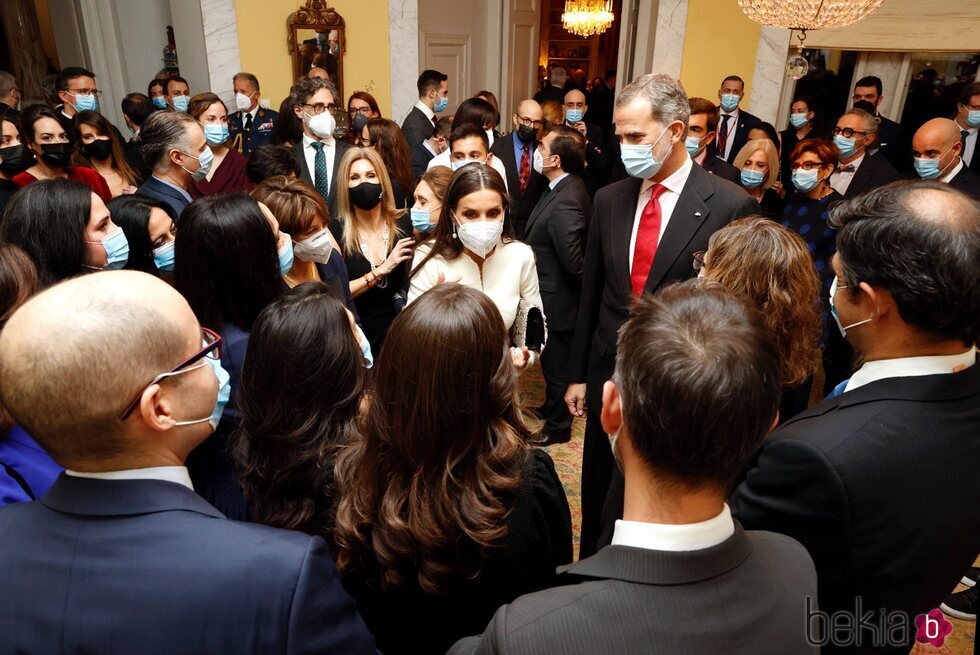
{"x":211,"y":350}
{"x":698,"y":261}
{"x":527,"y":122}
{"x":363,"y":111}
{"x":847,"y":132}
{"x":94,"y":92}
{"x":808,"y":165}
{"x":319,"y":107}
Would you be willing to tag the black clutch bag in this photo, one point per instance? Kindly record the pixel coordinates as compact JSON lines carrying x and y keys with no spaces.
{"x":529,"y":328}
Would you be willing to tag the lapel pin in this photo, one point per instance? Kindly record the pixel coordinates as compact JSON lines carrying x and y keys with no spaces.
{"x":698,"y":214}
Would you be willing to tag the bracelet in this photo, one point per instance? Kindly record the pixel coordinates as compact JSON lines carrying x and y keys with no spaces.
{"x":370,"y":283}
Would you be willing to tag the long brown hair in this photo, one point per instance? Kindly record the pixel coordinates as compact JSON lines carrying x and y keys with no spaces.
{"x":18,"y":282}
{"x":469,"y":179}
{"x":392,"y":145}
{"x":293,"y":202}
{"x":104,"y":128}
{"x":444,"y":449}
{"x":771,"y":266}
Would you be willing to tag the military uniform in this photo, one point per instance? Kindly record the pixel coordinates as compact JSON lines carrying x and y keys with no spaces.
{"x":259,"y":133}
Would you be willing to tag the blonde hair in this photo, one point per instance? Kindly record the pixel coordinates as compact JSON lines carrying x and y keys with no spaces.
{"x":345,"y":213}
{"x":772,"y":159}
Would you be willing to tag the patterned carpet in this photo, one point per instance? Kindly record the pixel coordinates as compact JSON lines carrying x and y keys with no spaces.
{"x":568,"y":463}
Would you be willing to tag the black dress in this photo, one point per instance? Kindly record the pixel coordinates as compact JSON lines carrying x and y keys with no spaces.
{"x":377,"y":307}
{"x":7,"y":190}
{"x":408,"y":620}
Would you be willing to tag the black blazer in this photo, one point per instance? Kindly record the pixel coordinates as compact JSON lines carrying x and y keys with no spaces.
{"x":306,"y":174}
{"x":417,"y":127}
{"x":169,"y":196}
{"x":874,"y":171}
{"x":634,"y":601}
{"x":967,"y":181}
{"x":259,"y":134}
{"x":880,"y":485}
{"x":421,"y":156}
{"x":521,"y":202}
{"x":706,"y":204}
{"x":740,"y":135}
{"x":894,"y":145}
{"x":556,"y":232}
{"x":594,"y":176}
{"x":146,"y":566}
{"x":718,"y":166}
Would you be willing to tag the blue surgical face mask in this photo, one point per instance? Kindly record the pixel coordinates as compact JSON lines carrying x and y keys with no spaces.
{"x":85,"y":102}
{"x":973,"y":117}
{"x":216,"y":134}
{"x":365,"y":345}
{"x":422,"y":219}
{"x":116,"y":250}
{"x":729,"y":101}
{"x":692,"y":144}
{"x":286,"y":254}
{"x":458,"y":164}
{"x":846,"y":146}
{"x":441,"y":104}
{"x":205,"y":159}
{"x":220,"y":401}
{"x":638,"y":159}
{"x":928,"y":169}
{"x":181,"y":103}
{"x":805,"y":180}
{"x":159,"y":102}
{"x":798,"y":120}
{"x":752,"y":178}
{"x":574,"y":115}
{"x":163,"y":257}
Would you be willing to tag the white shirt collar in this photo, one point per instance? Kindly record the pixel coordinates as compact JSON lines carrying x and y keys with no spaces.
{"x":733,"y":113}
{"x":675,"y":181}
{"x":424,"y":108}
{"x":425,"y":144}
{"x":309,"y":141}
{"x":971,"y":130}
{"x":675,"y":538}
{"x":903,"y":367}
{"x":856,"y":163}
{"x":177,"y":474}
{"x":553,"y":183}
{"x":950,"y":175}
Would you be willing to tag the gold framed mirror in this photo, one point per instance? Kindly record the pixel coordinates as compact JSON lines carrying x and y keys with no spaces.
{"x":316,"y":39}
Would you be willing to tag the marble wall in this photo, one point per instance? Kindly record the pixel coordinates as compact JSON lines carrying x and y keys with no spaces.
{"x":770,"y":74}
{"x":892,"y":69}
{"x":668,"y":45}
{"x":221,"y":44}
{"x":403,"y":44}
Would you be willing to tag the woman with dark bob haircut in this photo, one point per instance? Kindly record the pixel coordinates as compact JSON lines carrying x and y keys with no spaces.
{"x":228,"y":269}
{"x":149,"y":230}
{"x":299,"y":398}
{"x":446,"y":512}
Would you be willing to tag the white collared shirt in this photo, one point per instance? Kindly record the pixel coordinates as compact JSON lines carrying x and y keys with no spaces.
{"x":424,"y":108}
{"x":732,"y":127}
{"x":425,"y":144}
{"x":970,"y":149}
{"x":552,"y":184}
{"x":950,"y":175}
{"x":675,"y":538}
{"x":254,"y":112}
{"x":177,"y":474}
{"x":329,"y":151}
{"x":668,"y":200}
{"x":907,"y":367}
{"x":839,"y":181}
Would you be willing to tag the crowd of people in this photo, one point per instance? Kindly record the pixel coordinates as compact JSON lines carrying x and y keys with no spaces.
{"x":259,"y":371}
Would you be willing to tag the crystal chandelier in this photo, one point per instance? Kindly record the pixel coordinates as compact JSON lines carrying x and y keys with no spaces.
{"x":587,"y":17}
{"x":803,"y":15}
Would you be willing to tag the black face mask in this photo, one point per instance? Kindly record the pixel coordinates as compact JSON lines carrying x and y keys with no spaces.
{"x":15,"y":159}
{"x":56,"y":154}
{"x":526,"y":133}
{"x":99,"y":149}
{"x":366,"y":195}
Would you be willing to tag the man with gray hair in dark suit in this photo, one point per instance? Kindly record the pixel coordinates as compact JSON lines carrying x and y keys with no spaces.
{"x":695,"y":389}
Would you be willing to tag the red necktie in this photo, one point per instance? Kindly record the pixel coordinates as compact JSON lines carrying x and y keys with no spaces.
{"x":723,"y":135}
{"x":647,"y":236}
{"x":525,"y":173}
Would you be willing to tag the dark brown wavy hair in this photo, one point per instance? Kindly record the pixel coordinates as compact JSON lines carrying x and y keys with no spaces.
{"x":391,"y":144}
{"x":299,"y":396}
{"x":426,"y":489}
{"x":770,"y":266}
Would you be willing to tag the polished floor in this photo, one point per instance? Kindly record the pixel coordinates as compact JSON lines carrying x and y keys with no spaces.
{"x":568,"y":462}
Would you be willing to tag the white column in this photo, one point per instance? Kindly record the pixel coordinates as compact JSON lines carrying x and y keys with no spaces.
{"x":403,"y":48}
{"x":221,"y":47}
{"x":769,"y":77}
{"x":888,"y":66}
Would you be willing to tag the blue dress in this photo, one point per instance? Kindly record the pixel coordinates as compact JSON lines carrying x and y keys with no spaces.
{"x":26,"y":470}
{"x":809,"y":219}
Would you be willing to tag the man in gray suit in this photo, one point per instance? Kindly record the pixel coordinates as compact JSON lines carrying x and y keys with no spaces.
{"x":695,"y":389}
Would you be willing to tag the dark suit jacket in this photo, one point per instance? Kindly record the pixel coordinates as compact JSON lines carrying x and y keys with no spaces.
{"x":261,"y":131}
{"x":967,"y":181}
{"x":556,"y":232}
{"x":521,"y":202}
{"x":747,"y":595}
{"x":706,"y":204}
{"x":894,"y":145}
{"x":594,"y":176}
{"x":875,"y":171}
{"x":417,"y":127}
{"x":739,"y":136}
{"x":880,"y":485}
{"x":306,"y":174}
{"x":718,"y":166}
{"x":421,"y":156}
{"x":166,"y":194}
{"x":146,"y":566}
{"x":550,"y":93}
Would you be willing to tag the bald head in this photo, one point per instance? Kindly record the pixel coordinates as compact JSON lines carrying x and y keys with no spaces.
{"x":316,"y":71}
{"x":73,"y":357}
{"x":936,"y":137}
{"x":574,"y":97}
{"x":530,"y":109}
